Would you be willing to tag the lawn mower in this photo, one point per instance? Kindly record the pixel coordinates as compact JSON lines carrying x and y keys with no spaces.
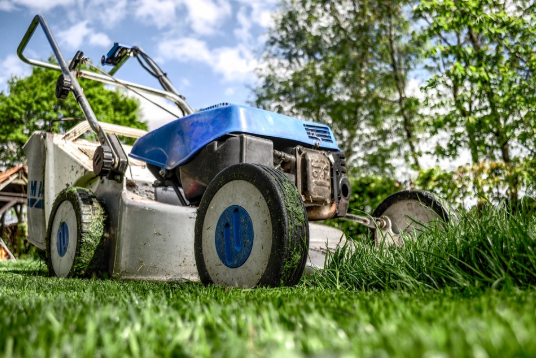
{"x":227,"y":194}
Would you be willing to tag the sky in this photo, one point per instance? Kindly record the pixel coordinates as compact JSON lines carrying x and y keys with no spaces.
{"x":208,"y":48}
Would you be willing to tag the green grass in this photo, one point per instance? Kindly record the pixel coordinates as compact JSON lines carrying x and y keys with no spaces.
{"x":493,"y":248}
{"x":51,"y":317}
{"x":464,"y":291}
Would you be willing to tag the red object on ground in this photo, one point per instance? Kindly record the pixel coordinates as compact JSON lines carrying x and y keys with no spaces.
{"x":3,"y":254}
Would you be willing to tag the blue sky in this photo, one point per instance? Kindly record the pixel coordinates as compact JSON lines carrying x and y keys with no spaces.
{"x":208,"y":48}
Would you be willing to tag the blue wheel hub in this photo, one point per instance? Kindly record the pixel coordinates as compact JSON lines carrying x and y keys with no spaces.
{"x":234,"y":236}
{"x":62,"y":241}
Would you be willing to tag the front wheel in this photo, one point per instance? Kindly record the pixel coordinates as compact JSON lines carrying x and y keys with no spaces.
{"x":251,"y":229}
{"x":75,"y":232}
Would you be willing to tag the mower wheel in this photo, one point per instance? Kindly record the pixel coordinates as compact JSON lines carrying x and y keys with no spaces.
{"x":251,"y":229}
{"x":410,"y":211}
{"x":75,"y":232}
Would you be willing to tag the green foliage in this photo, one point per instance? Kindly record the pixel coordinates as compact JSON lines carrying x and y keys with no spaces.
{"x":487,"y":181}
{"x":455,"y":187}
{"x":346,"y":64}
{"x":49,"y":317}
{"x":31,"y":105}
{"x":482,"y":93}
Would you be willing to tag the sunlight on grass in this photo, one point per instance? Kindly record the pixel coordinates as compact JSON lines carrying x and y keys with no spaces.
{"x":462,"y":291}
{"x":492,"y":248}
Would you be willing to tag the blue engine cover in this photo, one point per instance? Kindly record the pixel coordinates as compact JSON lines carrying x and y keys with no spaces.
{"x":174,"y":143}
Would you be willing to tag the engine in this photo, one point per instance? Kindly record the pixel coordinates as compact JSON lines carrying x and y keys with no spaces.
{"x":319,"y":175}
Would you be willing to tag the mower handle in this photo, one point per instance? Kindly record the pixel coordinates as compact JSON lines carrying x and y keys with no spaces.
{"x":179,"y":101}
{"x":64,"y":68}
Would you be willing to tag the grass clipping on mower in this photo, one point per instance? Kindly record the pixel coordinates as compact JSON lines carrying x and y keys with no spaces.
{"x":90,"y":254}
{"x":92,"y":259}
{"x":298,"y":224}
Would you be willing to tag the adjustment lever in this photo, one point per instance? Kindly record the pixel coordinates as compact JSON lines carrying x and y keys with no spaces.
{"x":76,"y":60}
{"x":64,"y":84}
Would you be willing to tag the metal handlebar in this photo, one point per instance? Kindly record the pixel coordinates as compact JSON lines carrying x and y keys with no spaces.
{"x":177,"y":99}
{"x":159,"y":74}
{"x":75,"y":86}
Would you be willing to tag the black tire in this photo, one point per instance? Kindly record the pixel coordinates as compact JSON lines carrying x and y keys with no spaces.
{"x":423,"y":198}
{"x":271,"y":199}
{"x":76,"y":210}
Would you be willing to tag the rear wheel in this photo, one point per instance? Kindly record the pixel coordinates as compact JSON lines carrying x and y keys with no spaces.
{"x":251,"y":229}
{"x":75,"y":232}
{"x":410,"y":211}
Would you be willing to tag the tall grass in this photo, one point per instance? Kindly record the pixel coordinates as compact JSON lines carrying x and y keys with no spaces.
{"x":491,"y":248}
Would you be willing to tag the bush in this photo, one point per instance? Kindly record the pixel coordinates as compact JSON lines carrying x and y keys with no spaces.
{"x":485,"y":182}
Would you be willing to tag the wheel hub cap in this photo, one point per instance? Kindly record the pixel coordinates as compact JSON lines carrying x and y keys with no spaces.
{"x":63,"y":239}
{"x":234,"y":236}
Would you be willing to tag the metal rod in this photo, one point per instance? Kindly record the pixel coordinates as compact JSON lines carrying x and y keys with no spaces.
{"x":162,"y":78}
{"x":180,"y":195}
{"x":370,"y":222}
{"x":132,"y":89}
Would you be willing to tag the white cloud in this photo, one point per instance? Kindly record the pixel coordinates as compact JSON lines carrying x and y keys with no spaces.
{"x":235,"y":64}
{"x":230,"y":91}
{"x":185,"y":49}
{"x":160,"y":13}
{"x":100,"y":39}
{"x":34,"y":5}
{"x":261,"y":11}
{"x":7,"y":6}
{"x":108,"y":13}
{"x":156,"y":117}
{"x":12,"y":66}
{"x":242,"y":33}
{"x":74,"y":36}
{"x":205,"y":16}
{"x":264,"y":17}
{"x":414,"y":88}
{"x":185,"y":82}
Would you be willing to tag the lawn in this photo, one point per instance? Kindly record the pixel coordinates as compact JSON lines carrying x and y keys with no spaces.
{"x":419,"y":301}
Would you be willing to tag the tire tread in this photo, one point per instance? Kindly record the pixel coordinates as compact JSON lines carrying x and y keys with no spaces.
{"x":90,"y":254}
{"x":290,"y":228}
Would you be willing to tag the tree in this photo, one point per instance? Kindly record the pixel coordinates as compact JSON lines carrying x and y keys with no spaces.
{"x":483,"y":89}
{"x":346,"y":64}
{"x":31,"y":105}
